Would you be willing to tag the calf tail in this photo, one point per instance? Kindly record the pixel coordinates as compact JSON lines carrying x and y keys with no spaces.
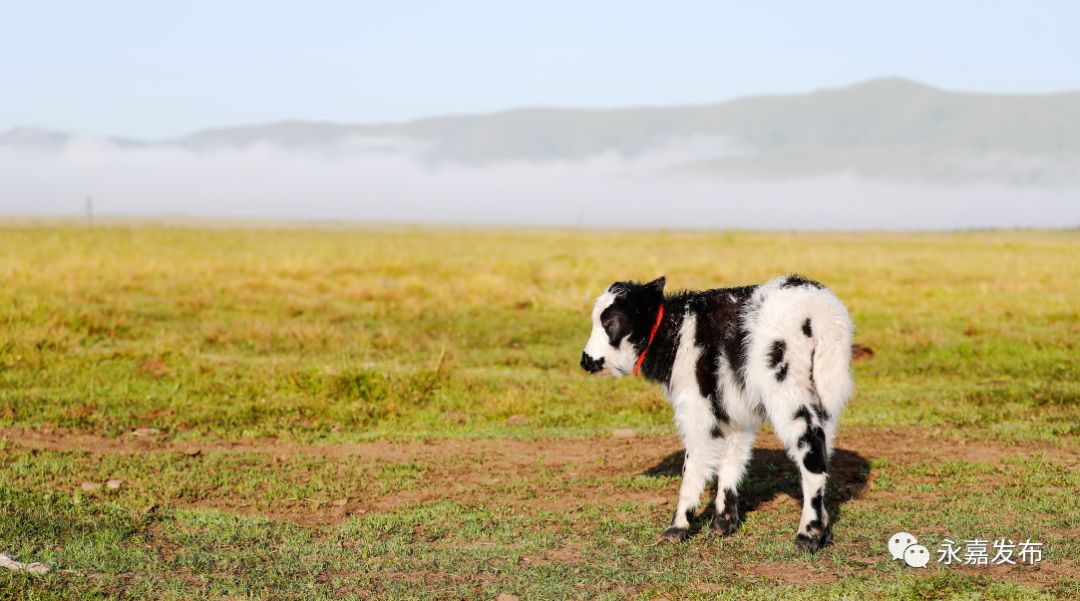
{"x":832,"y":358}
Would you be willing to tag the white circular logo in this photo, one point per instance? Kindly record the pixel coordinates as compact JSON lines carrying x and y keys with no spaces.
{"x":917,"y":556}
{"x":900,"y":541}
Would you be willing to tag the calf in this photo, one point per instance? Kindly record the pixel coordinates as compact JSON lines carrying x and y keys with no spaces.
{"x":727,"y":359}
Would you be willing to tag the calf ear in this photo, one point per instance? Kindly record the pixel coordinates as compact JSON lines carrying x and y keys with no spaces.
{"x":657,"y":284}
{"x":618,"y":288}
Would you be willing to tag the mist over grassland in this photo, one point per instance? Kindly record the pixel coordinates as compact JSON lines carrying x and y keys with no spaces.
{"x":887,"y":154}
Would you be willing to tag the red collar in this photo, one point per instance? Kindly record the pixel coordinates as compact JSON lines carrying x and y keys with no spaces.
{"x":652,"y":334}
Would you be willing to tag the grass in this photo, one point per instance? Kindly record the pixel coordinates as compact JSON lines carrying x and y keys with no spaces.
{"x":292,"y":345}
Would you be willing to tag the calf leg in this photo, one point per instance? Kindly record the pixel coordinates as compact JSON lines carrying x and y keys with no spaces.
{"x":804,"y":434}
{"x":695,"y":475}
{"x":696,"y":424}
{"x":735,"y":454}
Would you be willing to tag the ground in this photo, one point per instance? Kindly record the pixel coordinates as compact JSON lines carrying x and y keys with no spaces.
{"x":334,"y":412}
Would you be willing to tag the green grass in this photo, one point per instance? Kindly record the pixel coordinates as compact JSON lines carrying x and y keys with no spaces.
{"x":447,"y":550}
{"x":336,"y":335}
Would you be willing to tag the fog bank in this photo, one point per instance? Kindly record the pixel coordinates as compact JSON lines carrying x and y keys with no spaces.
{"x":606,"y":189}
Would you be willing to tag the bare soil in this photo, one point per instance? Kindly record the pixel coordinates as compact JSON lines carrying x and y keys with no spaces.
{"x":474,"y":472}
{"x":585,"y":472}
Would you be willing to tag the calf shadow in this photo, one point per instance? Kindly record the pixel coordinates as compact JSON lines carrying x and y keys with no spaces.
{"x":772,"y":472}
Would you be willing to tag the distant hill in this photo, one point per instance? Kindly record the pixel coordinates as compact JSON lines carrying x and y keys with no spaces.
{"x":889,"y":128}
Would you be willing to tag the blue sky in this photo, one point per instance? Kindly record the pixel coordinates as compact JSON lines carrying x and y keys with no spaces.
{"x":156,"y":69}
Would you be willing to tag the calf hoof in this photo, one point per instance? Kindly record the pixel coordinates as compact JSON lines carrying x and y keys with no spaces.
{"x":674,"y":534}
{"x":814,"y":541}
{"x":723,"y":525}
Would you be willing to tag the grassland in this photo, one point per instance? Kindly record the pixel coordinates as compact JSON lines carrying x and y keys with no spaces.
{"x":397,"y":412}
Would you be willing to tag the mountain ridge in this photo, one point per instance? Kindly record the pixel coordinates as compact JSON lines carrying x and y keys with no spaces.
{"x":884,"y":128}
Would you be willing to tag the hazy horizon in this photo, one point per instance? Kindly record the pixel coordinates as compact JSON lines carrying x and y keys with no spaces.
{"x":715,"y":166}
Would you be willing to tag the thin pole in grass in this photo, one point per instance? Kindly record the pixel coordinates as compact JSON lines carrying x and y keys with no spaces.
{"x":89,"y":212}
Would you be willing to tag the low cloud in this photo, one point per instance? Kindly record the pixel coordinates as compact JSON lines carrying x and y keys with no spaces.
{"x":372,"y":184}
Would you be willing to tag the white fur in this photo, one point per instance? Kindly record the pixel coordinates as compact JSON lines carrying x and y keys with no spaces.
{"x":617,"y":361}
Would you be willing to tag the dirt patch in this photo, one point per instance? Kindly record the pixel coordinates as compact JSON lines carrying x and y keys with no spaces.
{"x":578,"y":473}
{"x":386,"y":582}
{"x":1041,"y":575}
{"x":914,"y":445}
{"x":566,"y":554}
{"x":792,"y":572}
{"x":568,"y":477}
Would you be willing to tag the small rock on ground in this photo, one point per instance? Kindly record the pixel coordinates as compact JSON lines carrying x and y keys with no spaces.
{"x":18,"y":566}
{"x":861,"y":352}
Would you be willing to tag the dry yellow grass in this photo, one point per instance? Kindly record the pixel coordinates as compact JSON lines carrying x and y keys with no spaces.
{"x":260,"y":327}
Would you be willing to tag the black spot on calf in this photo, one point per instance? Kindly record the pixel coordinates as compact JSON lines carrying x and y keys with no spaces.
{"x":726,"y":521}
{"x":804,"y":414}
{"x":807,"y":329}
{"x":796,"y":280}
{"x":707,"y":369}
{"x":818,"y":533}
{"x":717,"y":405}
{"x":781,"y":373}
{"x":818,"y":503}
{"x":776,"y":359}
{"x":776,"y":353}
{"x":815,"y":460}
{"x":735,"y":304}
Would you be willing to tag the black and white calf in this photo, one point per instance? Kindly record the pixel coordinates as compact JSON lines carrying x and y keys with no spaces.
{"x":726,"y":359}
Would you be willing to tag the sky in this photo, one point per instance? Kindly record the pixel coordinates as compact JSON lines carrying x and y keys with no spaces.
{"x":152,"y":70}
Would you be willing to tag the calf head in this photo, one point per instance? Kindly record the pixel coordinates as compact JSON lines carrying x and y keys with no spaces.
{"x":622,"y":318}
